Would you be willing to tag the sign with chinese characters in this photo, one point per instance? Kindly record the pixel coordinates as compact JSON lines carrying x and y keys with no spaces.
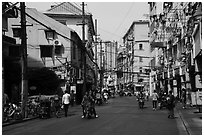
{"x":196,"y":98}
{"x":73,"y":88}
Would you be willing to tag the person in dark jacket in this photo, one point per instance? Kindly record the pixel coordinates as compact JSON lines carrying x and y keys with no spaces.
{"x":84,"y":102}
{"x":88,"y":98}
{"x":92,"y":101}
{"x":170,"y":104}
{"x":184,"y":98}
{"x":72,"y":98}
{"x":57,"y":106}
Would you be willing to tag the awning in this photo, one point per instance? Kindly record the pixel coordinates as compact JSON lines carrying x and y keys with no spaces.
{"x":159,"y":44}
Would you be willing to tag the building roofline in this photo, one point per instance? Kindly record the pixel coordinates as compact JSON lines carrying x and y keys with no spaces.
{"x":133,"y":23}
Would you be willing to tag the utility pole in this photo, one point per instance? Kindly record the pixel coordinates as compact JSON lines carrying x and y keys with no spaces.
{"x":24,"y":82}
{"x":101,"y":70}
{"x":96,"y":76}
{"x":111,"y":59}
{"x":83,"y":42}
{"x":106,"y":57}
{"x":132,"y":62}
{"x":115,"y":63}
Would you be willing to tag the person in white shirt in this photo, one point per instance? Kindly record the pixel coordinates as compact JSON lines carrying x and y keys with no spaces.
{"x":154,"y":99}
{"x":66,"y":101}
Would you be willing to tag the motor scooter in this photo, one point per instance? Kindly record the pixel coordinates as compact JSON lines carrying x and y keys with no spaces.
{"x":105,"y":96}
{"x":162,"y":102}
{"x":45,"y":109}
{"x":88,"y":110}
{"x":99,"y":100}
{"x":141,"y":102}
{"x":12,"y":112}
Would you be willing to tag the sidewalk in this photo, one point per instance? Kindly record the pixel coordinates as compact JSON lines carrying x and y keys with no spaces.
{"x":72,"y":111}
{"x":18,"y":121}
{"x":191,"y":119}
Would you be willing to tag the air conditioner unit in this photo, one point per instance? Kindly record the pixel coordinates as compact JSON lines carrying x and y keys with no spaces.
{"x":57,"y":42}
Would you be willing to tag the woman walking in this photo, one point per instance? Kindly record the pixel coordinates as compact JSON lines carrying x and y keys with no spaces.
{"x":66,"y":102}
{"x":170,"y":104}
{"x":154,"y":99}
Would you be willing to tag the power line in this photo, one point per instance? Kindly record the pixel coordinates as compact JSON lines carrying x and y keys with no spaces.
{"x":109,"y":32}
{"x":62,"y":35}
{"x":124,"y":18}
{"x":77,"y":5}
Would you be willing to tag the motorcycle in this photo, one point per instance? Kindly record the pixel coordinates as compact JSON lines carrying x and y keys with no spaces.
{"x":99,"y":100}
{"x":163,"y":102}
{"x":105,"y":96}
{"x":88,"y":111}
{"x":33,"y":108}
{"x":45,"y":109}
{"x":8,"y":112}
{"x":12,"y":112}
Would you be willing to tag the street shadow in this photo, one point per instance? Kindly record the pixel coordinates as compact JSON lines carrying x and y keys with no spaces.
{"x":143,"y":108}
{"x":197,"y":112}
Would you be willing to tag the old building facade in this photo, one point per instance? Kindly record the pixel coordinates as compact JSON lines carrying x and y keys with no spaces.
{"x":175,"y":38}
{"x":136,"y":67}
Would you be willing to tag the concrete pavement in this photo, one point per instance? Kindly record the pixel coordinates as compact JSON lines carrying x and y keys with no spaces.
{"x":189,"y":119}
{"x":72,"y":111}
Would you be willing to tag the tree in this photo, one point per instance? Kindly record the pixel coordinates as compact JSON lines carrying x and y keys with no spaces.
{"x":45,"y":81}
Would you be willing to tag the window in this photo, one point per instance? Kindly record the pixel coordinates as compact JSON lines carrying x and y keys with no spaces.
{"x":140,"y":47}
{"x":46,"y":50}
{"x":140,"y":58}
{"x":73,"y":46}
{"x":74,"y":51}
{"x":140,"y":69}
{"x":14,"y":51}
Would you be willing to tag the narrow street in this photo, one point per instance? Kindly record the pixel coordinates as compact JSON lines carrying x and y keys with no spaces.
{"x":120,"y":116}
{"x":60,"y":53}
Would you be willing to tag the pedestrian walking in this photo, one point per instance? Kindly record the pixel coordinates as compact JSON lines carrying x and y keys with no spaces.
{"x":84,"y":103}
{"x":147,"y":95}
{"x":170,"y":104}
{"x":88,"y":98}
{"x":92,"y":101}
{"x":184,"y":98}
{"x":57,"y":106}
{"x":5,"y":99}
{"x":66,"y":102}
{"x":72,"y":98}
{"x":154,"y":99}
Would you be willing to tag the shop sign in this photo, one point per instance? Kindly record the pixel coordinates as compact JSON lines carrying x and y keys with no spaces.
{"x":80,"y":81}
{"x":176,"y":71}
{"x":168,"y":74}
{"x":196,"y":98}
{"x":174,"y":82}
{"x":171,"y":74}
{"x":187,"y":76}
{"x":198,"y":82}
{"x":165,"y":75}
{"x":182,"y":70}
{"x":73,"y":88}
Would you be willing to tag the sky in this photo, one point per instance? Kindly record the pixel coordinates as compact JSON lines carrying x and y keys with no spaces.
{"x":113,"y":18}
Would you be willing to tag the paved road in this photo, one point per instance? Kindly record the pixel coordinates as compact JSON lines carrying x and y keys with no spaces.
{"x":120,"y":116}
